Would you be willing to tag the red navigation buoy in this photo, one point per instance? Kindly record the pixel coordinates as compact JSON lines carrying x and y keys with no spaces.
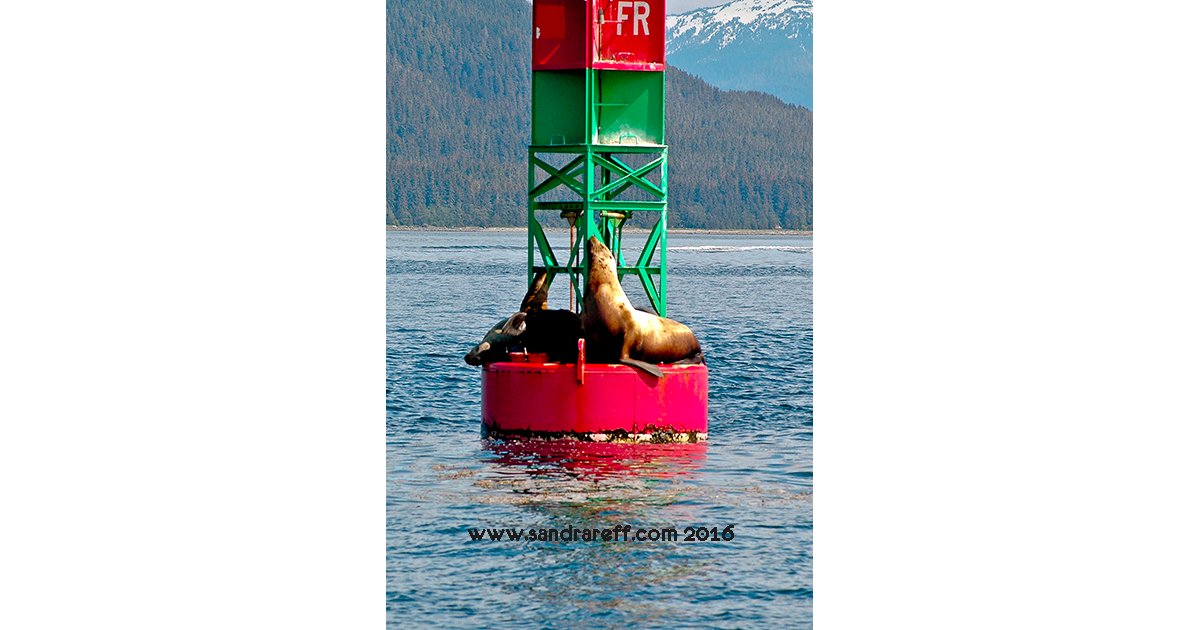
{"x":596,"y":162}
{"x":610,"y":402}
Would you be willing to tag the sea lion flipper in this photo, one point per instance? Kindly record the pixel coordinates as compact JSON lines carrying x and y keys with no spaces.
{"x":514,"y":325}
{"x":535,"y":297}
{"x":643,"y":366}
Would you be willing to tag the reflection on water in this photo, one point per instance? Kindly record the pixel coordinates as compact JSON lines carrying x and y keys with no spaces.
{"x":594,"y":460}
{"x":592,"y":485}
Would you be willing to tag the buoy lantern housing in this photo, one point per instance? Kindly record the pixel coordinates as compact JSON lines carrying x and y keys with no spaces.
{"x":609,"y":34}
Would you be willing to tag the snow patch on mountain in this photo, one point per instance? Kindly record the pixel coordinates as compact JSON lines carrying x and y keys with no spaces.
{"x":728,"y":22}
{"x":762,"y":45}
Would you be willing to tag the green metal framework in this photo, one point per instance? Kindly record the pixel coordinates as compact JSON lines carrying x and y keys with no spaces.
{"x":596,"y":165}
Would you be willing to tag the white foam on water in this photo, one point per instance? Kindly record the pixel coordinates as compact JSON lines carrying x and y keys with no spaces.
{"x":736,"y":248}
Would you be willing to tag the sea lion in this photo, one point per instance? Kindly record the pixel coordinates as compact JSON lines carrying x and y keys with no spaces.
{"x":535,"y":328}
{"x":616,"y":332}
{"x":494,"y":346}
{"x":535,"y":296}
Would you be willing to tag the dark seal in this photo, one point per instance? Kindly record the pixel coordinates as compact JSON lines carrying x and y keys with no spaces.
{"x":534,"y":328}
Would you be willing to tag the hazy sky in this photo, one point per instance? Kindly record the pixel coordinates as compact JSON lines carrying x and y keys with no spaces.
{"x":679,"y":6}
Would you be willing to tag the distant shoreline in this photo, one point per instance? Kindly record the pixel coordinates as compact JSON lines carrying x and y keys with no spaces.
{"x":779,"y":232}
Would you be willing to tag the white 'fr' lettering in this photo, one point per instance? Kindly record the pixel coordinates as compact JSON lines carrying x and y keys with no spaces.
{"x":641,"y":16}
{"x":641,"y":12}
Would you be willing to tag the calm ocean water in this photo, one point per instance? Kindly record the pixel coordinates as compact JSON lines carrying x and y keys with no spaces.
{"x":749,"y":300}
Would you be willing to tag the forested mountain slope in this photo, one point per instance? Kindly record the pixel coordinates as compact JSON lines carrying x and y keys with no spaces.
{"x":458,"y":125}
{"x":761,"y":45}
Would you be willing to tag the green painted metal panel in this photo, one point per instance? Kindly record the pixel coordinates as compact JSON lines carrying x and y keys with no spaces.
{"x":629,"y":107}
{"x":656,"y":149}
{"x":559,"y":107}
{"x":619,"y":107}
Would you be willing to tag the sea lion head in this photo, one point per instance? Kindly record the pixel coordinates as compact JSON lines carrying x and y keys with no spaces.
{"x":494,"y":346}
{"x":601,"y":258}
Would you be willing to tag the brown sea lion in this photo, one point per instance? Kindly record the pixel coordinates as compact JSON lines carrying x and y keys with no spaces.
{"x":534,"y":328}
{"x":616,"y":332}
{"x":535,"y":297}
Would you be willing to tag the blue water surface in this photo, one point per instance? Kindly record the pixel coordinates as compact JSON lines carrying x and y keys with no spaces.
{"x":749,"y":300}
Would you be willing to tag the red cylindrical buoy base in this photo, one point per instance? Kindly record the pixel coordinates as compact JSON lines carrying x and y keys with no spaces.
{"x":601,"y":402}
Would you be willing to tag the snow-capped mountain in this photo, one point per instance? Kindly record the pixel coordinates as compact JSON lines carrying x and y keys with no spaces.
{"x":762,"y":45}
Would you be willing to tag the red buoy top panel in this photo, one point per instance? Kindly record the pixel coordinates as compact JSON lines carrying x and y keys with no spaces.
{"x":606,"y":34}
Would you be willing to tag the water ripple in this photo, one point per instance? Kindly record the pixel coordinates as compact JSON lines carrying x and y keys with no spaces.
{"x":749,"y":301}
